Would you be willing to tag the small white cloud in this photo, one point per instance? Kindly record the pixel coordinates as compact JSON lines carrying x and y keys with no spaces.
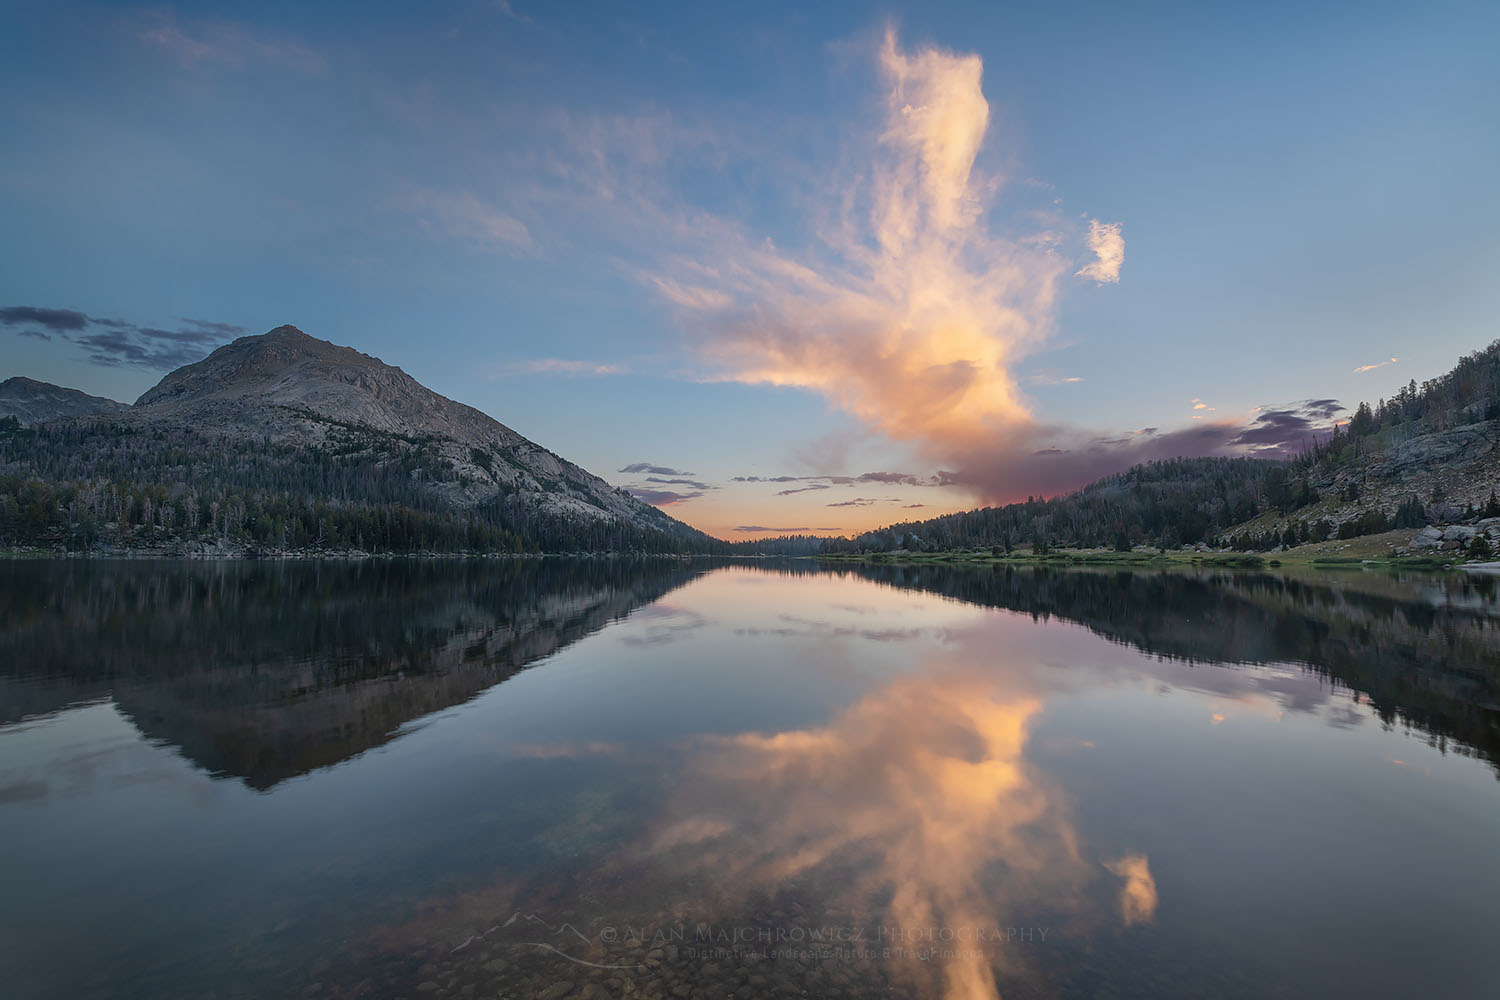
{"x":1051,"y":378}
{"x":1108,"y":245}
{"x":1370,"y":368}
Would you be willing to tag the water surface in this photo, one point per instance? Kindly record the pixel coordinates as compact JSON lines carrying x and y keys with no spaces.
{"x":656,"y":778}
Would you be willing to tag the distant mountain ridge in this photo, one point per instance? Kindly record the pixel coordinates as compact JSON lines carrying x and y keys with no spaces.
{"x":286,"y":422}
{"x":33,"y":402}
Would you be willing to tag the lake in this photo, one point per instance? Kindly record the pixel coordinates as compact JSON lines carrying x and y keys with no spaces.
{"x":656,"y":778}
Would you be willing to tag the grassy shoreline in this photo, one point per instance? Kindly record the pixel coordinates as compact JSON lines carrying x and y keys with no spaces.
{"x":1146,"y":560}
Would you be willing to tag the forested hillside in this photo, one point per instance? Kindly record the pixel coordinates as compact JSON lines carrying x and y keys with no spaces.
{"x":82,"y":485}
{"x":1427,"y":455}
{"x":1179,"y":502}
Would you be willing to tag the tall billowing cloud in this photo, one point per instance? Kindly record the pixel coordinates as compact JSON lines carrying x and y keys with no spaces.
{"x":912,"y":308}
{"x":907,"y":311}
{"x":1108,"y":245}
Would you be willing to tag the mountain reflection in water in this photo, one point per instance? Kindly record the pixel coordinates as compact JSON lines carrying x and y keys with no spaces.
{"x":265,"y":671}
{"x":772,"y":780}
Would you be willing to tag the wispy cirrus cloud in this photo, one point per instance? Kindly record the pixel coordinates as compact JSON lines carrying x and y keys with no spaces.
{"x":569,"y":367}
{"x":466,"y":218}
{"x":756,"y":529}
{"x":695,"y":484}
{"x":508,"y":9}
{"x":1051,"y":378}
{"x":885,"y":478}
{"x":1378,"y":364}
{"x":227,"y":44}
{"x":1108,"y":246}
{"x":116,"y":343}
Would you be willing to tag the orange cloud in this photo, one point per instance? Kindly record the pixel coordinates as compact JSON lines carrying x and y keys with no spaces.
{"x":1370,"y":368}
{"x":908,"y":312}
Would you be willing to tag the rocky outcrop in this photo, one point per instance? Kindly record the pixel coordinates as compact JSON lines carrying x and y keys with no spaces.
{"x":1455,"y":537}
{"x":33,"y":402}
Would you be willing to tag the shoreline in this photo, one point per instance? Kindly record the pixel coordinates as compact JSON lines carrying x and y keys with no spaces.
{"x":1065,"y":558}
{"x":342,"y":555}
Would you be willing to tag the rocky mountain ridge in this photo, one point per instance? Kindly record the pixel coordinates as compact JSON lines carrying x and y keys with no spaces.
{"x":34,"y":402}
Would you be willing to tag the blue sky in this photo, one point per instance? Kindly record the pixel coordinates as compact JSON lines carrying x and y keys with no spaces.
{"x":975,"y":250}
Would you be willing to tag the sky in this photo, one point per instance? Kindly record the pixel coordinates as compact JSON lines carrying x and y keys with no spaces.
{"x":773,"y":269}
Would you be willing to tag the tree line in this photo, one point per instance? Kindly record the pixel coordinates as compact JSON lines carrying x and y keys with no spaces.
{"x":82,"y":484}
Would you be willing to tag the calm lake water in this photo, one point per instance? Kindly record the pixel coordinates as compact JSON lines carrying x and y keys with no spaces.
{"x":608,"y":778}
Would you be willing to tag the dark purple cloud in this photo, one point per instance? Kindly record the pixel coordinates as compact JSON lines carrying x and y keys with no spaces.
{"x":659,"y":497}
{"x":115,"y":342}
{"x":655,"y":470}
{"x":56,"y":320}
{"x":1048,"y":461}
{"x":1288,"y":429}
{"x":145,"y":347}
{"x":761,"y":527}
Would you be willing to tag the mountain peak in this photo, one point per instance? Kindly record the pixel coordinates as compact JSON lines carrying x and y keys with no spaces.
{"x":257,"y":380}
{"x":260,"y":361}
